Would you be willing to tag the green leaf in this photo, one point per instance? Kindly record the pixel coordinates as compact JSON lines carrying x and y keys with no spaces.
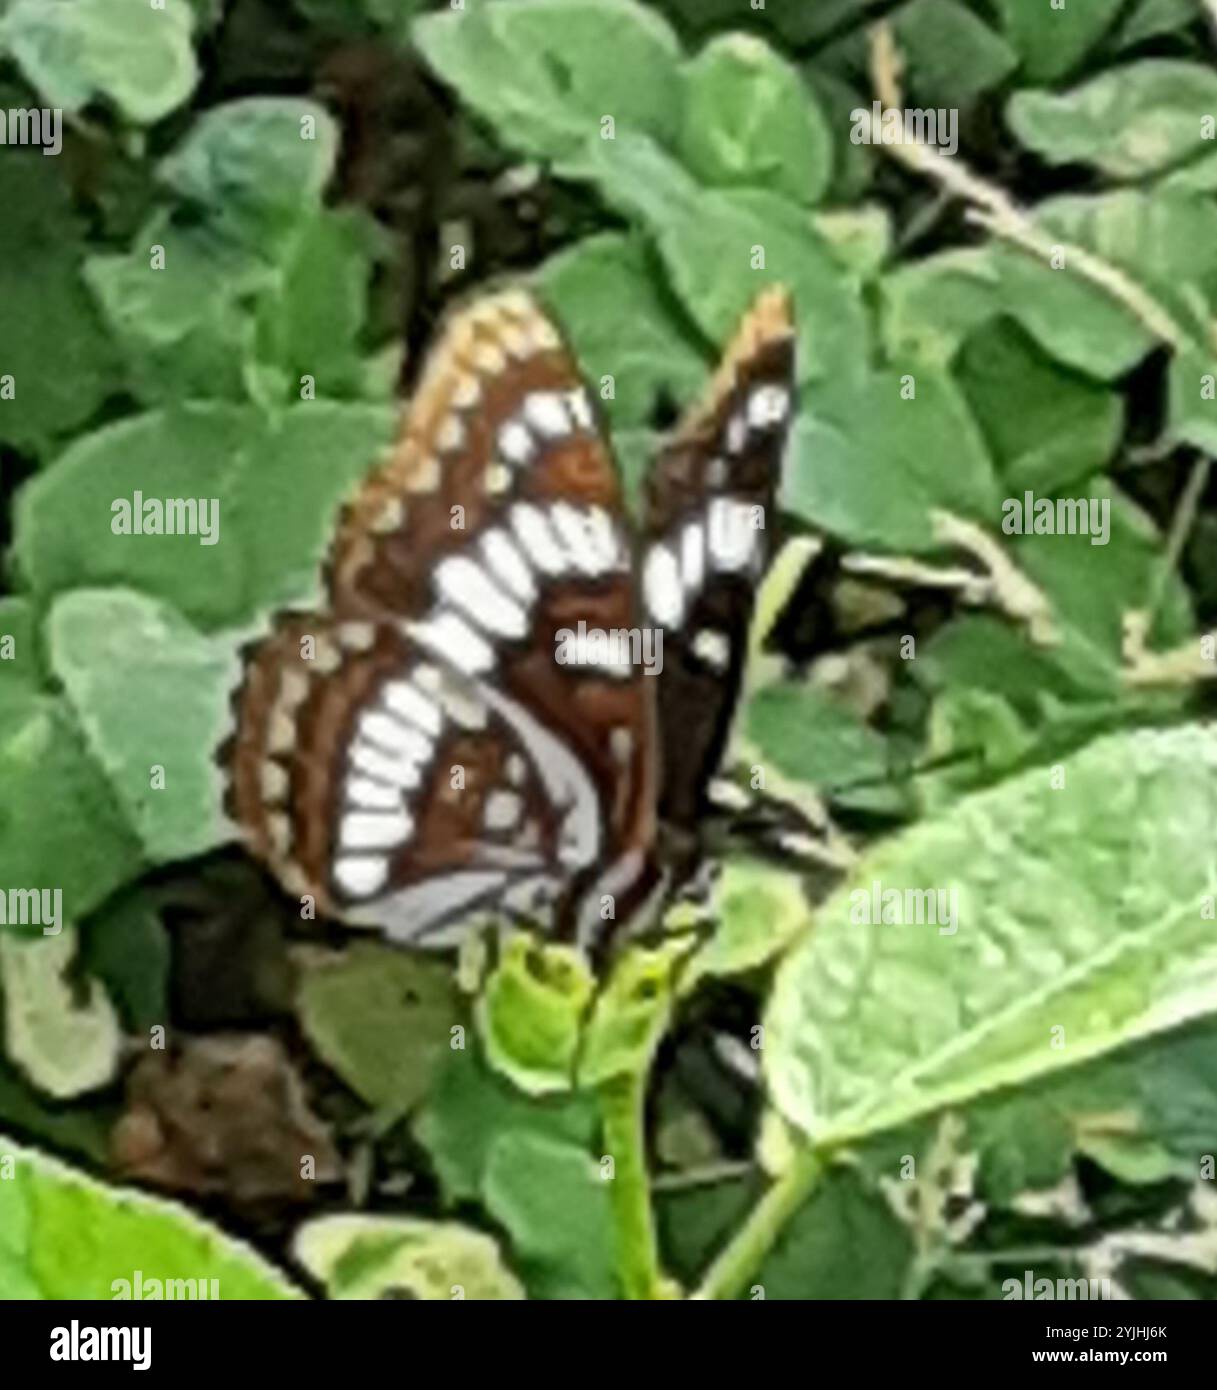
{"x":1176,"y":1080}
{"x":65,"y":1236}
{"x":867,"y":462}
{"x":630,"y":1015}
{"x":469,"y":1108}
{"x":845,"y":1242}
{"x":139,"y":58}
{"x":545,"y":73}
{"x":64,"y":1040}
{"x":928,"y":307}
{"x":1153,"y":17}
{"x":185,"y":329}
{"x":810,"y":737}
{"x":976,"y":735}
{"x":278,"y":485}
{"x":796,"y":25}
{"x":382,"y":1019}
{"x":1129,"y":121}
{"x":750,"y":120}
{"x":1051,"y":41}
{"x":531,"y":1014}
{"x":51,"y":338}
{"x":606,"y":294}
{"x":952,"y":57}
{"x":258,"y":167}
{"x":1083,"y":933}
{"x":76,"y":1131}
{"x":1192,"y":396}
{"x":19,"y":648}
{"x":64,"y":517}
{"x":758,"y":911}
{"x":1144,"y":1113}
{"x":1046,"y":427}
{"x":1165,"y":241}
{"x":853,"y":166}
{"x":1025,"y":1139}
{"x":1092,"y":585}
{"x":126,"y":947}
{"x":554,"y":1202}
{"x":149,"y":691}
{"x":977,"y":652}
{"x":860,"y":238}
{"x":694,"y":1223}
{"x":712,"y":244}
{"x":248,"y":283}
{"x":314,"y":326}
{"x":60,"y":825}
{"x":398,"y":1257}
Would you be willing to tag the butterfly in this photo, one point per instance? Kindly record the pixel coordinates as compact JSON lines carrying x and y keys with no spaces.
{"x":468,"y":724}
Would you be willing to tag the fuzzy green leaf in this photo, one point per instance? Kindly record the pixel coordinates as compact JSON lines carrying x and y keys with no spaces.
{"x":382,"y":1019}
{"x":150,"y":691}
{"x":546,"y":73}
{"x":137,"y":56}
{"x":398,"y":1257}
{"x":66,"y":1236}
{"x":1129,"y":122}
{"x":1079,"y":927}
{"x":750,"y":120}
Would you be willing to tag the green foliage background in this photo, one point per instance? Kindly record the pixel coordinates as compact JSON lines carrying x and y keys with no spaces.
{"x":328,"y":257}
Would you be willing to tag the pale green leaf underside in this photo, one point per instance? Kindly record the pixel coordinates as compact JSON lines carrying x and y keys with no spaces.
{"x":138,"y":56}
{"x":63,"y":1035}
{"x":1079,"y":928}
{"x":368,"y":1257}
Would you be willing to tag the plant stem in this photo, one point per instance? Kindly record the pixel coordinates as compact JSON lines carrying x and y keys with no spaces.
{"x":992,"y":208}
{"x":743,"y":1254}
{"x":621,"y":1109}
{"x":1181,"y":525}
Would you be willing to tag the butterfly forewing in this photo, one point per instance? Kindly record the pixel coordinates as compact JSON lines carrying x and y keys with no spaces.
{"x":473,"y":567}
{"x":458,"y":457}
{"x":709,"y":521}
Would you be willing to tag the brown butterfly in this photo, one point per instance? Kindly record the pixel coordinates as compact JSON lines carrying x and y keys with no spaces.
{"x":471,"y":725}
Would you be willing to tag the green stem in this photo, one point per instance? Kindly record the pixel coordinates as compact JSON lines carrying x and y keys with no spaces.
{"x":621,"y":1108}
{"x":743,"y":1255}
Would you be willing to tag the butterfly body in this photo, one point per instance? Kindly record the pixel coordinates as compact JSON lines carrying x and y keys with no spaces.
{"x":464,"y":726}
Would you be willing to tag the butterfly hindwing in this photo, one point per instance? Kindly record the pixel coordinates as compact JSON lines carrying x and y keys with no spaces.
{"x":364,"y":773}
{"x":709,"y":523}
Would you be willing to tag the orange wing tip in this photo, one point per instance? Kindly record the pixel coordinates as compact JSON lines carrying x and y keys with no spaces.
{"x":476,"y":342}
{"x":772,"y":312}
{"x":768,"y":320}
